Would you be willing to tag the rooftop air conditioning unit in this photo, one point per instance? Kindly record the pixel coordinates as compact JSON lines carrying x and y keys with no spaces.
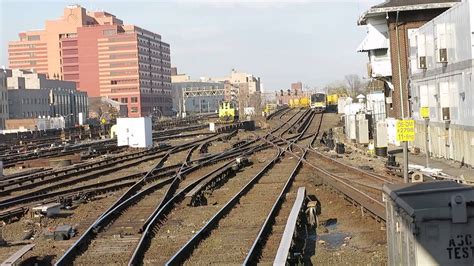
{"x":443,"y":55}
{"x":422,"y":62}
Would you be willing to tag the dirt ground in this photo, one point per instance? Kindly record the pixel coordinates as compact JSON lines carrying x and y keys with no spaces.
{"x":48,"y":250}
{"x":343,"y":236}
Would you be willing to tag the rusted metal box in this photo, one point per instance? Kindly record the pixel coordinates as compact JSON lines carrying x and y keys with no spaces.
{"x":430,"y":223}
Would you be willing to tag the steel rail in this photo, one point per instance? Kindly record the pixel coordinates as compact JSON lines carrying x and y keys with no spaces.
{"x":277,"y":112}
{"x":68,"y":255}
{"x":22,"y":199}
{"x":77,"y":169}
{"x":147,"y":229}
{"x":180,"y":256}
{"x":259,"y":242}
{"x":372,"y":205}
{"x":48,"y":152}
{"x":122,"y":202}
{"x":106,"y":217}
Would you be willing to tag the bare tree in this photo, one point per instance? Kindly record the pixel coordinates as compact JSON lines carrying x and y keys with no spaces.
{"x":354,"y":84}
{"x":338,"y":87}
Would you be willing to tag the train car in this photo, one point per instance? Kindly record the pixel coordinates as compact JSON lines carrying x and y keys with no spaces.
{"x":305,"y":102}
{"x":319,"y":101}
{"x":228,"y":112}
{"x":332,"y":101}
{"x":296,"y":102}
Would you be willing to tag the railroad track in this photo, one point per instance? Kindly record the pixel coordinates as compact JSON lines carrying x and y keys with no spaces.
{"x":34,"y":152}
{"x":175,"y":210}
{"x":204,"y":210}
{"x":128,"y":200}
{"x":235,"y":225}
{"x":266,"y":243}
{"x":149,"y":242}
{"x":125,"y":207}
{"x":360,"y":187}
{"x":43,"y":149}
{"x":80,"y":187}
{"x":94,"y":168}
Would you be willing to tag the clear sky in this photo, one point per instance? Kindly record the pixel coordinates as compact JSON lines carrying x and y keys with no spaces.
{"x":281,"y":41}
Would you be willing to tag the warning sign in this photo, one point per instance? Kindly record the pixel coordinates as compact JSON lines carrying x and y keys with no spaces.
{"x":425,"y":112}
{"x":406,"y":130}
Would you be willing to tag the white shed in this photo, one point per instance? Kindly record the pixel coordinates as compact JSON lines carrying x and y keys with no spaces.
{"x":134,"y":132}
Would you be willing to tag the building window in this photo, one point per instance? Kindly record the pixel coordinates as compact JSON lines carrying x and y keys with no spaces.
{"x":134,"y":109}
{"x":33,"y":38}
{"x":109,"y":32}
{"x":124,"y":100}
{"x":134,"y":99}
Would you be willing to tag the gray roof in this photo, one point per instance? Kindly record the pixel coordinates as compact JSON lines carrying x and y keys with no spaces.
{"x":405,"y":5}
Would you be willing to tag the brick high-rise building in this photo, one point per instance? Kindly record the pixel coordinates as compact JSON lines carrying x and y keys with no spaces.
{"x":103,"y":56}
{"x":297,"y":88}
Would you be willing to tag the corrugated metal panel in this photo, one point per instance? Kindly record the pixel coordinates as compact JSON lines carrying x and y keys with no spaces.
{"x":449,"y":86}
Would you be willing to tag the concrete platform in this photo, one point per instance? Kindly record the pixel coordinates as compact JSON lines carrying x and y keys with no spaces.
{"x":448,"y":167}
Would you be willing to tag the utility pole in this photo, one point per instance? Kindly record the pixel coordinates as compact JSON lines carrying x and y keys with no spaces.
{"x":427,"y":145}
{"x":402,"y":105}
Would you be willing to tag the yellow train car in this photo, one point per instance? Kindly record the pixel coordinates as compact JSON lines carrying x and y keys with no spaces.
{"x":295,"y":103}
{"x":318,"y":101}
{"x":332,"y":99}
{"x":305,"y":102}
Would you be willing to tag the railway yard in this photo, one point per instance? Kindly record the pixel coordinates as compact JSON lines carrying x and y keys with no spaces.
{"x":233,"y":196}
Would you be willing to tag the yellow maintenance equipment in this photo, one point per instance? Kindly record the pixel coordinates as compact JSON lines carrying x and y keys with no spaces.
{"x":227,"y":112}
{"x":270,"y":107}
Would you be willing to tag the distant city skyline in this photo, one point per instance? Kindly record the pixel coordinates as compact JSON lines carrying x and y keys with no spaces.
{"x":309,"y":41}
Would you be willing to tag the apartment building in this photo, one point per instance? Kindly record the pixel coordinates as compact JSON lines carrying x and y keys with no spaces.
{"x":236,"y":77}
{"x":103,"y":56}
{"x":243,"y":87}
